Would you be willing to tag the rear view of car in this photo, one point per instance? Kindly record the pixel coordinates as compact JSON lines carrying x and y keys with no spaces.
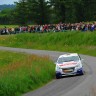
{"x":69,"y":64}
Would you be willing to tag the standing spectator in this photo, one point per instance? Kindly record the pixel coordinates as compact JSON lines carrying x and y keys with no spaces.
{"x":92,"y":27}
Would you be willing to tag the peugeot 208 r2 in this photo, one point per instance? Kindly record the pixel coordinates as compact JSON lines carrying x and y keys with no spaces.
{"x":69,"y":64}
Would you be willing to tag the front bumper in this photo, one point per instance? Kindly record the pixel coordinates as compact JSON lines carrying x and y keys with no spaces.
{"x":75,"y":72}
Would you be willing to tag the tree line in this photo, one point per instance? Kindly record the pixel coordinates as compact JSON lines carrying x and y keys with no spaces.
{"x":49,"y":11}
{"x":5,"y":6}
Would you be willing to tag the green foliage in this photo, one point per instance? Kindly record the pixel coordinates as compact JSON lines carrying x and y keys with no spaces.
{"x":32,"y":11}
{"x":21,"y":73}
{"x":89,"y":9}
{"x":7,"y":58}
{"x":21,"y":13}
{"x":39,"y":11}
{"x":50,"y":11}
{"x":8,"y":26}
{"x":79,"y":42}
{"x":74,"y":10}
{"x":6,"y":16}
{"x":17,"y":71}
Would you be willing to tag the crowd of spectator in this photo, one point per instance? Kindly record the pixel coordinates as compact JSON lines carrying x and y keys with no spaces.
{"x":61,"y":27}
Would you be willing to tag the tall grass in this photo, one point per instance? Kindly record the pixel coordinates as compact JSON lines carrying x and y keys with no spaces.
{"x":20,"y":73}
{"x":8,"y":26}
{"x":80,"y":42}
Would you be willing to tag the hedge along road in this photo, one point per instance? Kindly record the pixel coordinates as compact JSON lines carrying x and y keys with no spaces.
{"x":70,"y":86}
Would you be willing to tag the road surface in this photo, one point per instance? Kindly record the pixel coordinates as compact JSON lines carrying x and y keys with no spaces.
{"x":70,"y":86}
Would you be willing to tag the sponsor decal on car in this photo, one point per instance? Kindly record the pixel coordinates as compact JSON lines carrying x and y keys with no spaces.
{"x":69,"y":63}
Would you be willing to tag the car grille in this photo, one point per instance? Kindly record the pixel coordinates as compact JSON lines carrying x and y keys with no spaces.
{"x":68,"y":70}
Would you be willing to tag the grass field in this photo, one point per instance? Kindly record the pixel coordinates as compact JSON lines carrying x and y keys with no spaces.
{"x":20,"y":73}
{"x":8,"y":26}
{"x":18,"y":70}
{"x":80,"y":42}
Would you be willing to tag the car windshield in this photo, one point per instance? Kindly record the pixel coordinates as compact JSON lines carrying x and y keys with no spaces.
{"x":67,"y":59}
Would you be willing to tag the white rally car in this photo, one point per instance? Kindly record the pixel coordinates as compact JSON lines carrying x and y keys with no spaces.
{"x":69,"y":64}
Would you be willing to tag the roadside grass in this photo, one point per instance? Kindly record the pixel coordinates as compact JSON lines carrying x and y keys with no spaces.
{"x":8,"y":26}
{"x":80,"y":42}
{"x":20,"y":73}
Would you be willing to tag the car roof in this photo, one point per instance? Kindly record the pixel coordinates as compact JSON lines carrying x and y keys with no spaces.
{"x":68,"y":55}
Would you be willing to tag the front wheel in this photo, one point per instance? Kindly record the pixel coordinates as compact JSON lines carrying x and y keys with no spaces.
{"x":82,"y":72}
{"x":57,"y":77}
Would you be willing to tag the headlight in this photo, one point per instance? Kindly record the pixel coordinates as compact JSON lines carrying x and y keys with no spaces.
{"x":58,"y":68}
{"x":78,"y":66}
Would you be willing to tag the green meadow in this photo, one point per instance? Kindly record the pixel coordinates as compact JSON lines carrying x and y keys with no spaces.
{"x":80,"y":42}
{"x":8,"y":26}
{"x":20,"y":73}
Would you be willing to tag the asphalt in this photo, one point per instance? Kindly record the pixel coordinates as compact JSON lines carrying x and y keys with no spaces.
{"x":68,"y":86}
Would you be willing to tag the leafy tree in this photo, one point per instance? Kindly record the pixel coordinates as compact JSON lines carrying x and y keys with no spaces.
{"x":39,"y":11}
{"x":74,"y":10}
{"x":58,"y":10}
{"x":32,"y":11}
{"x":6,"y":16}
{"x":21,"y":13}
{"x":89,"y":7}
{"x":49,"y":11}
{"x":65,"y":10}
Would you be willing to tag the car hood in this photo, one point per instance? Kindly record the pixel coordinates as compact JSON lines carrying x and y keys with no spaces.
{"x":67,"y":64}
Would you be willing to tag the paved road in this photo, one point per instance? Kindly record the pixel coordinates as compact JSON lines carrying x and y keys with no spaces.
{"x":70,"y":86}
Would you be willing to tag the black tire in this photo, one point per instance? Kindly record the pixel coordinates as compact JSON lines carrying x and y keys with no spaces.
{"x":82,"y":73}
{"x":57,"y":77}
